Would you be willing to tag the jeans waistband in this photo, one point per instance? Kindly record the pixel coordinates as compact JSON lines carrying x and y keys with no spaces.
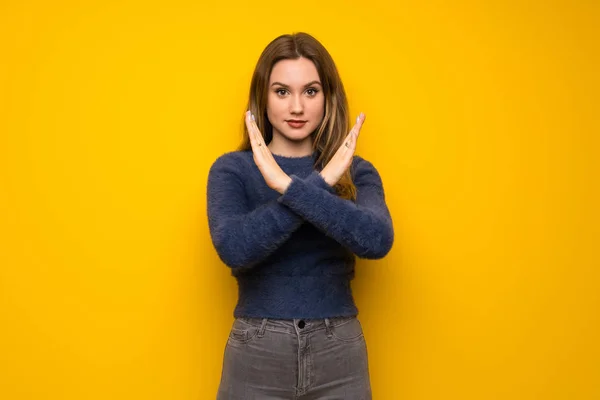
{"x":297,"y":324}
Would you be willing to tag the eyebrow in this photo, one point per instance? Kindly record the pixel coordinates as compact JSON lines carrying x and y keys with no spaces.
{"x":307,"y":85}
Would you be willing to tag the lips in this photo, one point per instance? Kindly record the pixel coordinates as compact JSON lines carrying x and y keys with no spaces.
{"x":296,"y":123}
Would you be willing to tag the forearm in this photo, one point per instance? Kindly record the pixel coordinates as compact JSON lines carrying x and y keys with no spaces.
{"x":366,"y":229}
{"x":245,"y":240}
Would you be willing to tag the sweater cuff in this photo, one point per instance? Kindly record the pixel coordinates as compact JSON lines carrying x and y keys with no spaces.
{"x":299,"y":187}
{"x":315,"y":178}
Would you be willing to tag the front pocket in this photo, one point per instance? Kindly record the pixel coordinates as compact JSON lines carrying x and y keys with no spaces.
{"x":242,"y":332}
{"x":238,"y":334}
{"x":350,"y":331}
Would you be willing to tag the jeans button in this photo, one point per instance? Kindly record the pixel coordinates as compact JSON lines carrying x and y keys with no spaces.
{"x":301,"y":324}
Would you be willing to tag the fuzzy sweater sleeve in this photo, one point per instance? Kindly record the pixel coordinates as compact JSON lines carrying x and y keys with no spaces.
{"x":242,"y":236}
{"x":365,"y":226}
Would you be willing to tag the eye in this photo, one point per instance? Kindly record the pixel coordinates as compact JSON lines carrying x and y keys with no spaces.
{"x":279,"y":92}
{"x":313,"y":92}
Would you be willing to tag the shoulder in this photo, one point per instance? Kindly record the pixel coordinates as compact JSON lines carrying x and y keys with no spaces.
{"x":364,"y":171}
{"x":360,"y":162}
{"x":233,"y":162}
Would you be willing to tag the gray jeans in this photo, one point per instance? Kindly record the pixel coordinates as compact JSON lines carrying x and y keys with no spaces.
{"x":308,"y":359}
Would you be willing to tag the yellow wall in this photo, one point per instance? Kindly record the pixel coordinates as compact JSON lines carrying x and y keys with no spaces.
{"x":481,"y":118}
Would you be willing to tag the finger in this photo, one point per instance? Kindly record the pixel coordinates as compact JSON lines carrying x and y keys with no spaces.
{"x":360,"y":120}
{"x":349,"y":146}
{"x":350,"y":135}
{"x":354,"y":132}
{"x":253,"y":132}
{"x":357,"y":126}
{"x":352,"y":145}
{"x":251,"y":136}
{"x":248,"y":121}
{"x":350,"y":140}
{"x":262,"y":154}
{"x":260,"y":141}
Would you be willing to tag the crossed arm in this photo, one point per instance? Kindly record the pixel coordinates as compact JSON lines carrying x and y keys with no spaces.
{"x":244,"y":237}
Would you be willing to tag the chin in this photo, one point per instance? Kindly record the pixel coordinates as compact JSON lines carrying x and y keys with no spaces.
{"x":297,"y":138}
{"x":296,"y":135}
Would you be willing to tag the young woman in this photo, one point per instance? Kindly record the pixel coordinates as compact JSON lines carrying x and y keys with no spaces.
{"x":288,"y":213}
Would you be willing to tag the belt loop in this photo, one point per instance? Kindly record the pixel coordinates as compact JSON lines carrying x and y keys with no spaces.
{"x":263,"y":325}
{"x":328,"y":328}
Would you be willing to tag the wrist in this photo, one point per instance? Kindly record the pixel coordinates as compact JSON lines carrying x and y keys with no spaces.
{"x":325,"y":178}
{"x":285,"y":183}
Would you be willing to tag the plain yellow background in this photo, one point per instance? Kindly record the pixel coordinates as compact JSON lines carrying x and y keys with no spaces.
{"x":482,"y":119}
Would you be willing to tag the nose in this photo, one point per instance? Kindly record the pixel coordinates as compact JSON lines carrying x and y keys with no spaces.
{"x":296,"y":105}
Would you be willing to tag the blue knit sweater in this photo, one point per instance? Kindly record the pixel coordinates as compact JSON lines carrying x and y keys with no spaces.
{"x":293,"y":254}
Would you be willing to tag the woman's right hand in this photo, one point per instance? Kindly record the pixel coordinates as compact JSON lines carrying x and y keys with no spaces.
{"x":342,"y":159}
{"x":274,"y":176}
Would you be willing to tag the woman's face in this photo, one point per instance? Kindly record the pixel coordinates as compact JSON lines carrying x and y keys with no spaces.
{"x":296,"y":103}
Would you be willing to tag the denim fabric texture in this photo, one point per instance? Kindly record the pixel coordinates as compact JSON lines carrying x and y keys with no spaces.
{"x":304,"y":359}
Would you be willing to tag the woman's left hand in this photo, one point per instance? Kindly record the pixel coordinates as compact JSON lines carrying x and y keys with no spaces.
{"x":274,"y":176}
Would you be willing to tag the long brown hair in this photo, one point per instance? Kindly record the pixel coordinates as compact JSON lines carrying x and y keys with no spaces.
{"x":334,"y":127}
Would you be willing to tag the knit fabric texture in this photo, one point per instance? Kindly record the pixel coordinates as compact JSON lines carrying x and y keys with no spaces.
{"x":293,"y":254}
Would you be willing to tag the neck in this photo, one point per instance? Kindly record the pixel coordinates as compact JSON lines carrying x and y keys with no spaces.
{"x":287,"y":148}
